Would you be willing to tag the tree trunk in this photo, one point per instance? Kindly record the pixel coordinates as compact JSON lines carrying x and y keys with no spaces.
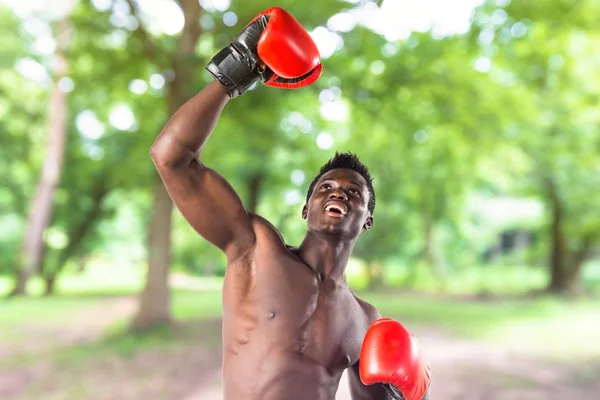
{"x":565,"y":266}
{"x":576,"y":261}
{"x":254,"y":186}
{"x":375,"y":274}
{"x":210,"y":268}
{"x":49,"y":283}
{"x":40,"y":209}
{"x":155,"y":306}
{"x":559,"y":274}
{"x":429,"y":250}
{"x":432,"y":257}
{"x":82,"y":263}
{"x":521,"y":244}
{"x":77,"y":235}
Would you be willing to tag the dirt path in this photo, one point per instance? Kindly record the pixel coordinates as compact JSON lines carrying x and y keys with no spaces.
{"x":37,"y":340}
{"x":187,"y":366}
{"x":465,"y":370}
{"x":80,"y":328}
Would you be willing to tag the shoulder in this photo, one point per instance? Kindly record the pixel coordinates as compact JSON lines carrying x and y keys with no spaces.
{"x":370,"y":312}
{"x":265,"y":230}
{"x":267,"y":238}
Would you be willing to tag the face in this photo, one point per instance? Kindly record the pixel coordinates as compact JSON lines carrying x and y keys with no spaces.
{"x":338,"y":204}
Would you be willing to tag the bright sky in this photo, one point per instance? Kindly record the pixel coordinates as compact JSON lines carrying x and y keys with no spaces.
{"x":395,"y":20}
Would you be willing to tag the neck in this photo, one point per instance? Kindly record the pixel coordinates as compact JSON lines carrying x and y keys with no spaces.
{"x":326,"y":255}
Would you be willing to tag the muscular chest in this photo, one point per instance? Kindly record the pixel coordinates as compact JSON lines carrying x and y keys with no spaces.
{"x":318,"y":319}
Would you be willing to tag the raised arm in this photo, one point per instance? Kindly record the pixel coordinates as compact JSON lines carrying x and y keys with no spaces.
{"x":205,"y":198}
{"x":272,"y":48}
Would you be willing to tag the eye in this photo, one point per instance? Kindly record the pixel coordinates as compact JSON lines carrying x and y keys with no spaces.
{"x":356,"y":192}
{"x":326,"y":186}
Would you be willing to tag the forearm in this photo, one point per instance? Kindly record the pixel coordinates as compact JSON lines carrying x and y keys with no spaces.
{"x":359,"y":391}
{"x":380,"y":394}
{"x":183,"y":137}
{"x":375,"y":392}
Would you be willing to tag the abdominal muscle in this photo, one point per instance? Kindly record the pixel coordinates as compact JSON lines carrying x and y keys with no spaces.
{"x":279,"y":374}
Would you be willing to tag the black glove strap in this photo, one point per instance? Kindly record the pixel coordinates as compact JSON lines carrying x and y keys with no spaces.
{"x":237,"y":66}
{"x":426,"y":396}
{"x":394,"y":392}
{"x":294,"y":80}
{"x":396,"y":395}
{"x":233,"y":70}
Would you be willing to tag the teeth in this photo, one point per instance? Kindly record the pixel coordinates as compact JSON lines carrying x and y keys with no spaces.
{"x":335,"y":207}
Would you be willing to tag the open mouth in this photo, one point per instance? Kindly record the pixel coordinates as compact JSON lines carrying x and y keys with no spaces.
{"x":336,"y":209}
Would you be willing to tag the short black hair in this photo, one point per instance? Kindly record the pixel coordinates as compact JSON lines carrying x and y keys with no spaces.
{"x":350,"y":161}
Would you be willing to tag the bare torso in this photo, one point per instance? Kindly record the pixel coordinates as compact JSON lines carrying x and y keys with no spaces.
{"x":291,"y":325}
{"x":287,"y":334}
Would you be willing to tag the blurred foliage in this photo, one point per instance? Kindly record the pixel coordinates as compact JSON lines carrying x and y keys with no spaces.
{"x":446,"y":125}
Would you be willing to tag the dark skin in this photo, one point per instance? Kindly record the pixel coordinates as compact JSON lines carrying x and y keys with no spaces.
{"x":291,"y":324}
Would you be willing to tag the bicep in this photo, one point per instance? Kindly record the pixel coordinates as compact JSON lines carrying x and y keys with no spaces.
{"x":360,"y":391}
{"x":211,"y":206}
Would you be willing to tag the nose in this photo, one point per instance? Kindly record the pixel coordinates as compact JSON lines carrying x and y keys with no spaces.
{"x":338,"y":194}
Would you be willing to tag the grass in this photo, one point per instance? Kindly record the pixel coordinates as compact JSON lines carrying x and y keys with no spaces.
{"x":468,"y":317}
{"x":488,"y":279}
{"x":100,"y":278}
{"x":125,"y":344}
{"x":119,"y":360}
{"x":569,"y":335}
{"x":40,"y":319}
{"x":188,"y":305}
{"x":536,"y":326}
{"x":544,"y":326}
{"x":536,"y":323}
{"x":41,"y":311}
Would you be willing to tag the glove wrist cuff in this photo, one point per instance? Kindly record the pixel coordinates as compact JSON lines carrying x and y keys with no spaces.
{"x":396,"y":395}
{"x":234,"y":71}
{"x":393,"y":391}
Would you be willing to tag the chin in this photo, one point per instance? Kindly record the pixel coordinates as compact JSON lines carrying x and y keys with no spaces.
{"x":326,"y":229}
{"x":336,"y":230}
{"x":332,"y":229}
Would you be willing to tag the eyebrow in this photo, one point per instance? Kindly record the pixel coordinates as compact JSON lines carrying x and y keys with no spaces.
{"x":333,"y":180}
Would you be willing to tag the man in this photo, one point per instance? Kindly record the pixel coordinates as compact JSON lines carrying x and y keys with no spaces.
{"x":291,"y":324}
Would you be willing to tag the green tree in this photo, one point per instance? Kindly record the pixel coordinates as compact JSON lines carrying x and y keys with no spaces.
{"x":184,"y":66}
{"x":22,"y":131}
{"x":547,"y":50}
{"x":426,"y":118}
{"x":40,"y":208}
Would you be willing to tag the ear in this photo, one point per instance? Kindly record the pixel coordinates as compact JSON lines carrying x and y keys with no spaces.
{"x":368,"y":223}
{"x":304,"y":212}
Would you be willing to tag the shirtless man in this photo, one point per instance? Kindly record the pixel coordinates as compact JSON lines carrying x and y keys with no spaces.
{"x":291,"y":324}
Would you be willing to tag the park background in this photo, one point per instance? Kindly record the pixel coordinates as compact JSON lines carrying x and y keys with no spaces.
{"x":478,"y":119}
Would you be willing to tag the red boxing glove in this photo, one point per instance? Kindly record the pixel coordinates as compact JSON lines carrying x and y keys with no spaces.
{"x":391,"y":355}
{"x":273,"y":48}
{"x":289,"y":51}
